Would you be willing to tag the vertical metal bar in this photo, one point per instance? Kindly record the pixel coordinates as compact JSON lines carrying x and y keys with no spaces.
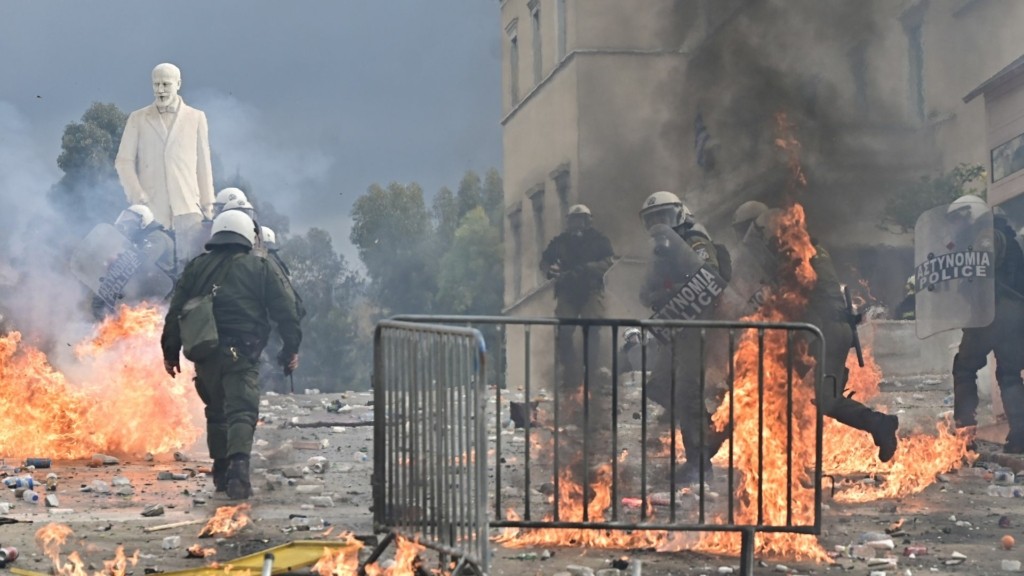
{"x":480,"y":443}
{"x":403,"y":434}
{"x":789,"y":427}
{"x":643,"y":423}
{"x":615,"y":424}
{"x":760,"y":426}
{"x":559,"y":387}
{"x":675,"y":422}
{"x":527,"y":423}
{"x":445,"y":494}
{"x":462,"y":429}
{"x":586,"y":420}
{"x":732,"y":425}
{"x":702,"y":432}
{"x":819,"y":424}
{"x":497,"y":452}
{"x":379,"y":428}
{"x":747,"y":543}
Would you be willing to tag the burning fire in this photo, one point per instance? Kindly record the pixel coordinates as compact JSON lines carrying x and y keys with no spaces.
{"x":407,"y":560}
{"x":197,"y":551}
{"x":114,"y":398}
{"x":342,"y":561}
{"x":570,"y":509}
{"x":53,"y":536}
{"x":227,"y":521}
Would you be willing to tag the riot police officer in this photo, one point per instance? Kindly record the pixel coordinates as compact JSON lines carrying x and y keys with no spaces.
{"x":1004,"y":336}
{"x":826,"y":308}
{"x":691,"y":412}
{"x":577,"y":260}
{"x":227,"y":381}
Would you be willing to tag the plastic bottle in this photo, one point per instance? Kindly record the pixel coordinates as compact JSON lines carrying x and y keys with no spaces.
{"x":31,"y":496}
{"x":20,"y":482}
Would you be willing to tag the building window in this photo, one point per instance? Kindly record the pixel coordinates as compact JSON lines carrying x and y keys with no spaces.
{"x":537,"y":203}
{"x":538,"y":59}
{"x":1008,"y":158}
{"x":515,"y":224}
{"x":561,"y":178}
{"x":513,"y":61}
{"x":561,"y":28}
{"x":915,"y":55}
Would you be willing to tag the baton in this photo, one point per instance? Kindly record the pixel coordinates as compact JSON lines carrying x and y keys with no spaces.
{"x":853,"y":319}
{"x":291,"y":380}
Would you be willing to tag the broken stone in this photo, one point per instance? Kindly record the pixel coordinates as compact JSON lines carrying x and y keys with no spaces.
{"x":725,"y":570}
{"x":167,"y":475}
{"x":322,"y":501}
{"x":51,"y":501}
{"x":124,"y":491}
{"x":876,"y":562}
{"x":105,"y":460}
{"x":1004,"y":522}
{"x":884,"y":544}
{"x":1010,"y":565}
{"x":1003,"y":476}
{"x":781,"y":568}
{"x":97,"y":486}
{"x":318,"y":464}
{"x":153,"y":510}
{"x":172,"y":542}
{"x":198,"y":501}
{"x":310,"y":489}
{"x":577,"y":570}
{"x":180,"y":457}
{"x":292,"y":472}
{"x":862,"y":552}
{"x":120,"y":481}
{"x":274,"y":481}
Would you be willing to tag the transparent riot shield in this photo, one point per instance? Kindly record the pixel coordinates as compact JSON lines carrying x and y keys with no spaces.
{"x":679,"y":285}
{"x":954,"y":272}
{"x":115,"y":270}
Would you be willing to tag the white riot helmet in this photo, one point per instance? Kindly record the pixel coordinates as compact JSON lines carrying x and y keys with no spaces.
{"x":745,"y":215}
{"x":240,"y":204}
{"x":134,"y":218}
{"x":631,"y":333}
{"x":664,"y":208}
{"x":232,"y":227}
{"x":578,"y":218}
{"x":966,"y":209}
{"x":269,"y":238}
{"x":224,"y":196}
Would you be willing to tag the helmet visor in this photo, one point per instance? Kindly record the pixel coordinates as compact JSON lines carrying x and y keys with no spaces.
{"x":128,"y":222}
{"x":664,"y":215}
{"x":576,"y":222}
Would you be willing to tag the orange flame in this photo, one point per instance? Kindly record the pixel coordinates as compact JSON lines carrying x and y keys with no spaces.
{"x":407,"y":559}
{"x":343,"y":561}
{"x":115,"y":398}
{"x":53,"y":536}
{"x":197,"y":551}
{"x":227,"y":521}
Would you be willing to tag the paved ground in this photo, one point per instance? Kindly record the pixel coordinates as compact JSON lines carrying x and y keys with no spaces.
{"x":956,"y":516}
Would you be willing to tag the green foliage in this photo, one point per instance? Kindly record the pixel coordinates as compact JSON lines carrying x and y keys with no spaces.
{"x":336,"y":353}
{"x":266,"y":213}
{"x":905,"y":206}
{"x":470,"y":278}
{"x":89,"y":191}
{"x":393,"y":232}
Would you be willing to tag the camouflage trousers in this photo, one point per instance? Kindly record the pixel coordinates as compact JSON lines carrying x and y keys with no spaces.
{"x":228,"y":385}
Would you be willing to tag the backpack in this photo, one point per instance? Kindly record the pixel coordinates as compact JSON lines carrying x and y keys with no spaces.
{"x":197,"y":323}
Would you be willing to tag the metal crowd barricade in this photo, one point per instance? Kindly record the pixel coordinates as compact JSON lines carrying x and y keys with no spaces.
{"x":532,"y":363}
{"x":429,"y":461}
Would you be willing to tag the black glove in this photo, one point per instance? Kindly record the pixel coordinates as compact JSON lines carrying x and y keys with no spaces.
{"x":172,"y":366}
{"x":289,"y":361}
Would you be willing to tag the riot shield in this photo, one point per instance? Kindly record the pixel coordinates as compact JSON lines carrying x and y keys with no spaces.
{"x":753,"y":274}
{"x":679,"y":284}
{"x":954,"y":272}
{"x":115,"y":270}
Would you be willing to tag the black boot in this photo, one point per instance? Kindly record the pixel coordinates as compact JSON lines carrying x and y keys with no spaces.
{"x":238,"y":486}
{"x":220,"y":474}
{"x":1013,"y":405}
{"x":883,"y":431}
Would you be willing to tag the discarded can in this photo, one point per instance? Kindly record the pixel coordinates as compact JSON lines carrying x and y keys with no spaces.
{"x":8,"y":554}
{"x":38,"y":462}
{"x":915,"y":550}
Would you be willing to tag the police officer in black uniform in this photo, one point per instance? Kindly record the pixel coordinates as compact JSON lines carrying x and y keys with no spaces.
{"x":1004,"y":336}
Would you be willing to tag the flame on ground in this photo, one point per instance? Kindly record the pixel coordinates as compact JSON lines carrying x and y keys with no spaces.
{"x":116,"y":397}
{"x":571,"y":503}
{"x":407,"y":559}
{"x":197,"y":551}
{"x":227,"y":521}
{"x":341,"y":561}
{"x":51,"y":539}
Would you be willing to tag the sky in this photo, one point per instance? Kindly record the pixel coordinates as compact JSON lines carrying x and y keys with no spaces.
{"x":311,"y":102}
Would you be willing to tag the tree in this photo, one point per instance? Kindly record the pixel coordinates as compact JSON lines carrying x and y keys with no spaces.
{"x":905,"y":206}
{"x":335,"y":349}
{"x":89,"y":191}
{"x":446,"y":216}
{"x":470,"y":279}
{"x":266,"y":213}
{"x":393,"y":232}
{"x":494,"y":198}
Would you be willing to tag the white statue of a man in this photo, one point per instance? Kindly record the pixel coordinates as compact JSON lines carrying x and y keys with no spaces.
{"x":164,"y":161}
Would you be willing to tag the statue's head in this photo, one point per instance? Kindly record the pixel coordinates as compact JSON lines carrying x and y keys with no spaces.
{"x":166,"y":83}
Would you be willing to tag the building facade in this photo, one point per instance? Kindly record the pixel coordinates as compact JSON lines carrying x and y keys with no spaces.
{"x":606,"y":102}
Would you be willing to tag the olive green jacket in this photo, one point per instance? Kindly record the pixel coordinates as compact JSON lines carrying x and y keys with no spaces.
{"x":251,"y":290}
